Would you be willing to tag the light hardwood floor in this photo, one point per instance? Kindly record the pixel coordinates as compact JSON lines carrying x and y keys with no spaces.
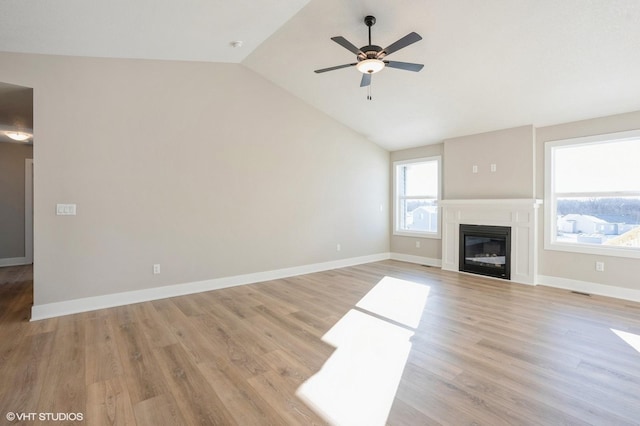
{"x":344,"y":346}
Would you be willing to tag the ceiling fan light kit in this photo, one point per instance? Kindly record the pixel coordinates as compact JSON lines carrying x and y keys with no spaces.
{"x":370,"y":58}
{"x":370,"y":66}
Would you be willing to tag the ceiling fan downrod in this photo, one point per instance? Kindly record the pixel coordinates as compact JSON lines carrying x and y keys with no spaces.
{"x":369,"y":21}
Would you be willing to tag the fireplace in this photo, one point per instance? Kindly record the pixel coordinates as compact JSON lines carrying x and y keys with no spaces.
{"x":485,"y":250}
{"x":519,"y":215}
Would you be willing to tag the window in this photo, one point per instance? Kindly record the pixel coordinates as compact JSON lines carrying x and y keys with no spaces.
{"x":592,"y":194}
{"x":416,"y":195}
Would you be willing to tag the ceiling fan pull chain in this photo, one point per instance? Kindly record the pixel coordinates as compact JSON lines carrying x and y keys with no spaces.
{"x":369,"y":93}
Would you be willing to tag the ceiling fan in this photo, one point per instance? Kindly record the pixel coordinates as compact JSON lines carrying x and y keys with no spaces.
{"x":370,"y":58}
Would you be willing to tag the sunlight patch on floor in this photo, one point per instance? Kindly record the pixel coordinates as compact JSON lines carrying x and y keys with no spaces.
{"x":358,"y":383}
{"x":631,"y":339}
{"x":399,"y":300}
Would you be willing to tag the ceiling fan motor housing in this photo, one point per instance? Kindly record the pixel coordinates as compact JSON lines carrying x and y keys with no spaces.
{"x":370,"y":52}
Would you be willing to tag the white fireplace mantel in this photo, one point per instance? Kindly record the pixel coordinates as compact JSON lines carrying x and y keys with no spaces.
{"x":518,"y":214}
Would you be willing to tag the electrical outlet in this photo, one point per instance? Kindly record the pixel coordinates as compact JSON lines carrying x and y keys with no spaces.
{"x":474,"y":169}
{"x":493,"y":167}
{"x":600,"y":266}
{"x":338,"y":247}
{"x":417,"y":244}
{"x":156,"y":268}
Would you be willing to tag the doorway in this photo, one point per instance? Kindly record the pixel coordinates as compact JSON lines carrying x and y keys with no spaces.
{"x":16,"y":193}
{"x":16,"y":175}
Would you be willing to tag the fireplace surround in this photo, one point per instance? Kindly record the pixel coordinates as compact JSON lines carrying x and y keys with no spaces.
{"x":521,"y":215}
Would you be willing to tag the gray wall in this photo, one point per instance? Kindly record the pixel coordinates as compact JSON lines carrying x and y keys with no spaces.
{"x":519,"y":155}
{"x":429,"y":247}
{"x":511,"y":150}
{"x":619,"y":271}
{"x":206,"y":169}
{"x":12,"y":170}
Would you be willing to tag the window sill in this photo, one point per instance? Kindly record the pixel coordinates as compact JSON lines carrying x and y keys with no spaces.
{"x":632,"y":253}
{"x":431,"y":235}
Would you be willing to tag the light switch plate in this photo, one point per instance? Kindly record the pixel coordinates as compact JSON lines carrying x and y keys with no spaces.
{"x":65,"y":209}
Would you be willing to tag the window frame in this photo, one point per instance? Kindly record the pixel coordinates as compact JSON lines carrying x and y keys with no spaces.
{"x":550,"y":197}
{"x":397,"y":198}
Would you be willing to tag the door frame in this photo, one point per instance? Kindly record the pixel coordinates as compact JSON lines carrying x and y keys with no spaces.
{"x":28,"y":210}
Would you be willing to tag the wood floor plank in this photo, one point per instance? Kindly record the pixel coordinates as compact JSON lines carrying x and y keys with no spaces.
{"x":159,"y":410}
{"x":64,"y":384}
{"x":102,"y":359}
{"x":552,"y":387}
{"x":231,"y":346}
{"x":466,"y":403}
{"x":287,"y":365}
{"x":108,"y":403}
{"x":198,"y":402}
{"x":296,"y":341}
{"x":198,"y":344}
{"x":28,"y":370}
{"x":484,"y":351}
{"x":152,"y":325}
{"x":236,"y":300}
{"x":404,"y":414}
{"x":244,"y":403}
{"x":139,"y":364}
{"x":277,"y":391}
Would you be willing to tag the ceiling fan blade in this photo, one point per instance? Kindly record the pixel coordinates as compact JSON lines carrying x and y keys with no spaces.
{"x":347,"y":45}
{"x":407,"y":66}
{"x":335,"y":68}
{"x":366,"y":80}
{"x":402,"y":43}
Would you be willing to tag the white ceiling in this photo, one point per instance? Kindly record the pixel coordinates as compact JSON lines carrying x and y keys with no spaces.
{"x":489,"y":64}
{"x":189,"y":30}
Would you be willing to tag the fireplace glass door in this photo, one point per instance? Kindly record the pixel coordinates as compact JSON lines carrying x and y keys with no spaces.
{"x":485,"y":250}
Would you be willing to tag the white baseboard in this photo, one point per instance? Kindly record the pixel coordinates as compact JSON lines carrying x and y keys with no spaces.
{"x":50,"y":310}
{"x":557,"y":282}
{"x":420,"y":260}
{"x":589,"y":287}
{"x":14,"y":261}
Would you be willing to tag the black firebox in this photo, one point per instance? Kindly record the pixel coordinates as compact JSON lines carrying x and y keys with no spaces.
{"x":486,"y":250}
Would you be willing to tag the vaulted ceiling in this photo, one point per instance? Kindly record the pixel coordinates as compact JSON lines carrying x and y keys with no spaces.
{"x":489,"y":64}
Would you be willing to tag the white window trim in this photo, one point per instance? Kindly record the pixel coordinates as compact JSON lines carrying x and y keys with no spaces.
{"x":396,"y":204}
{"x":550,"y":198}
